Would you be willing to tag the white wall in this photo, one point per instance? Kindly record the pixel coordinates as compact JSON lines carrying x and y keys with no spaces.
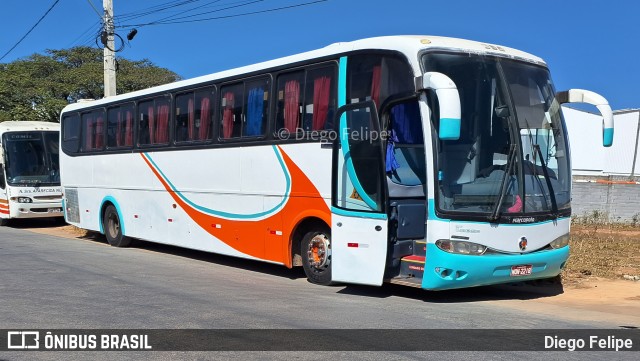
{"x":588,"y":155}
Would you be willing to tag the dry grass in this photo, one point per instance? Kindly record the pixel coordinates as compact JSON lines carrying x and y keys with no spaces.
{"x":606,"y":251}
{"x":75,"y":231}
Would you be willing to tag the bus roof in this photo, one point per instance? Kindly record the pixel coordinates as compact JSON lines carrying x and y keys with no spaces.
{"x":407,"y":44}
{"x":21,"y":126}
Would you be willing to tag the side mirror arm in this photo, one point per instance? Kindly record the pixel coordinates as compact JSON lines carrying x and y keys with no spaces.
{"x":589,"y":97}
{"x":448,"y":101}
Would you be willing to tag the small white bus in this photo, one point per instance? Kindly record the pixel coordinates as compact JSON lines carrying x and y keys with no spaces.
{"x":29,"y":170}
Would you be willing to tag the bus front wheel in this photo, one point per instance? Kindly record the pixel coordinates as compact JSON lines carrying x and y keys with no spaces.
{"x":315,"y":250}
{"x":113,"y":229}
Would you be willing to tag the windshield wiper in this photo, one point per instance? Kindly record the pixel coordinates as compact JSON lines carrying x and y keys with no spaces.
{"x":495,"y":214}
{"x":552,"y":194}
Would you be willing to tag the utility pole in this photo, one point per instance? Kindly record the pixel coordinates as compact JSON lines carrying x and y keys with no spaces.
{"x":109,"y":53}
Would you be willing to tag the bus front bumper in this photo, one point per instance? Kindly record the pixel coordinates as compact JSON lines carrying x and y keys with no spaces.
{"x":445,"y":270}
{"x":35,"y":210}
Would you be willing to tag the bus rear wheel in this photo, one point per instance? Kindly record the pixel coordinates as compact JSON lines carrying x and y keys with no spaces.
{"x":113,"y":229}
{"x":315,"y":250}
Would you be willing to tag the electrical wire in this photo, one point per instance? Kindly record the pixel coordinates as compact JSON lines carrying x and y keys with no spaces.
{"x":155,"y":9}
{"x":30,"y":30}
{"x":176,"y":21}
{"x":163,"y":20}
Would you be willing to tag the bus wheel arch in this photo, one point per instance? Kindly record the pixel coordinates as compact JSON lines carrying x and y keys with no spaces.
{"x":311,"y":248}
{"x":111,"y":223}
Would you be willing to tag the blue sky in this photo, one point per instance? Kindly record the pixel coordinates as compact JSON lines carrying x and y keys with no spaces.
{"x":589,"y":44}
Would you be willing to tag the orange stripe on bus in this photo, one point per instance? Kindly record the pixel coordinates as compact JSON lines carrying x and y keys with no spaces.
{"x":237,"y":233}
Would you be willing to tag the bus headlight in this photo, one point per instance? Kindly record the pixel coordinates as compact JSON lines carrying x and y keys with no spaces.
{"x":22,"y":199}
{"x":560,"y":242}
{"x":461,"y":247}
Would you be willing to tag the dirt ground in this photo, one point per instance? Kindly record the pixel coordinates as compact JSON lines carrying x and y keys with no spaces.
{"x":592,"y":287}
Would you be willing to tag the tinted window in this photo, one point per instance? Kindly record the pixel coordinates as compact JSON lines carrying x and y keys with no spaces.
{"x":153,"y":121}
{"x":194,"y":116}
{"x":375,"y":77}
{"x":290,"y":92}
{"x":71,"y":133}
{"x":320,"y":99}
{"x":120,"y":126}
{"x":93,"y":131}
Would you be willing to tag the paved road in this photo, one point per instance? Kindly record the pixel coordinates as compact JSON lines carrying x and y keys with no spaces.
{"x":53,"y":283}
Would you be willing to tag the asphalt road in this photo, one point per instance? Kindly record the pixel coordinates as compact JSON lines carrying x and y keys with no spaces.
{"x":49,"y":282}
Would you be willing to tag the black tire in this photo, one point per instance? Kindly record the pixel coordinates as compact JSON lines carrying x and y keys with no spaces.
{"x":4,"y":222}
{"x":112,"y":228}
{"x":315,"y":249}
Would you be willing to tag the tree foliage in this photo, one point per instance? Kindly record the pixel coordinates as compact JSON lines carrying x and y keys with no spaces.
{"x":39,"y":86}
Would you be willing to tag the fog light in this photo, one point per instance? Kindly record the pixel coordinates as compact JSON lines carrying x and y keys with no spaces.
{"x":560,"y":242}
{"x":461,"y":247}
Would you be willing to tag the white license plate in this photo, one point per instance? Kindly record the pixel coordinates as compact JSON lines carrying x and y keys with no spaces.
{"x":521,"y":270}
{"x":54,"y":210}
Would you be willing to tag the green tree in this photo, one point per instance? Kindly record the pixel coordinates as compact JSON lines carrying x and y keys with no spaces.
{"x":39,"y":86}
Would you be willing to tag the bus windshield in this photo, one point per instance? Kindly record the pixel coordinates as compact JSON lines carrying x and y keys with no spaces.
{"x":31,"y":158}
{"x":512,"y":155}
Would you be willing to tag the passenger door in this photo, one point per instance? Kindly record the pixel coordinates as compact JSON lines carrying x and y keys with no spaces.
{"x":359,"y":217}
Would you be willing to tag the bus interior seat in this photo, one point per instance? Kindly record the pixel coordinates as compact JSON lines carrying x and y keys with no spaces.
{"x":409,"y":178}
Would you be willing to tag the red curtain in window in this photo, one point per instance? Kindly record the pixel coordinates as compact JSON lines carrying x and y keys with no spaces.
{"x":192,"y":119}
{"x":99,"y":143}
{"x":375,"y":84}
{"x":88,"y":134}
{"x":119,"y":134}
{"x":291,"y":105}
{"x":128,"y":130}
{"x":152,"y":124}
{"x":321,"y":92}
{"x":205,"y":118}
{"x":227,"y":116}
{"x":162,"y":130}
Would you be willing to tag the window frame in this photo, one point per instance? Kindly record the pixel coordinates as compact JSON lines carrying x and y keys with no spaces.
{"x":213,"y":91}
{"x":133,"y":107}
{"x":138,"y":130}
{"x":266,"y":113}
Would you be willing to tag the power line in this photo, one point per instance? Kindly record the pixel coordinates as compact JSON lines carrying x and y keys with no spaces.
{"x":30,"y":30}
{"x":155,"y":9}
{"x":175,"y":21}
{"x":174,"y":18}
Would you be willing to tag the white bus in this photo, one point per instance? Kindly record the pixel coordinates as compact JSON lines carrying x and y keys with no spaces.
{"x":29,"y":170}
{"x":426,"y":161}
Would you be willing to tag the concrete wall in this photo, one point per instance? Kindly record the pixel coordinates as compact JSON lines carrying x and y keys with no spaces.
{"x":616,"y":198}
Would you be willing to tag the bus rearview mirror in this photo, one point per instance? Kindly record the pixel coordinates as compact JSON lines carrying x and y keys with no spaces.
{"x":589,"y":97}
{"x":448,"y":102}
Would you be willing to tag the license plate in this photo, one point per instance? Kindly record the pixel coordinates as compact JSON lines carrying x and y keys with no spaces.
{"x":522,"y":270}
{"x":54,"y":210}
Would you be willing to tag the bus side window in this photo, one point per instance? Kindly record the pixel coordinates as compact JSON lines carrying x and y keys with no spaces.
{"x":3,"y":182}
{"x":289,"y":104}
{"x":120,"y":126}
{"x":320,"y":99}
{"x":257,"y":106}
{"x":231,"y":111}
{"x":184,"y":117}
{"x":71,"y":133}
{"x":203,"y":109}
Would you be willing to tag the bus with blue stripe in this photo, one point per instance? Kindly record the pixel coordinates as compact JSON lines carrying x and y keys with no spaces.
{"x":424,"y":161}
